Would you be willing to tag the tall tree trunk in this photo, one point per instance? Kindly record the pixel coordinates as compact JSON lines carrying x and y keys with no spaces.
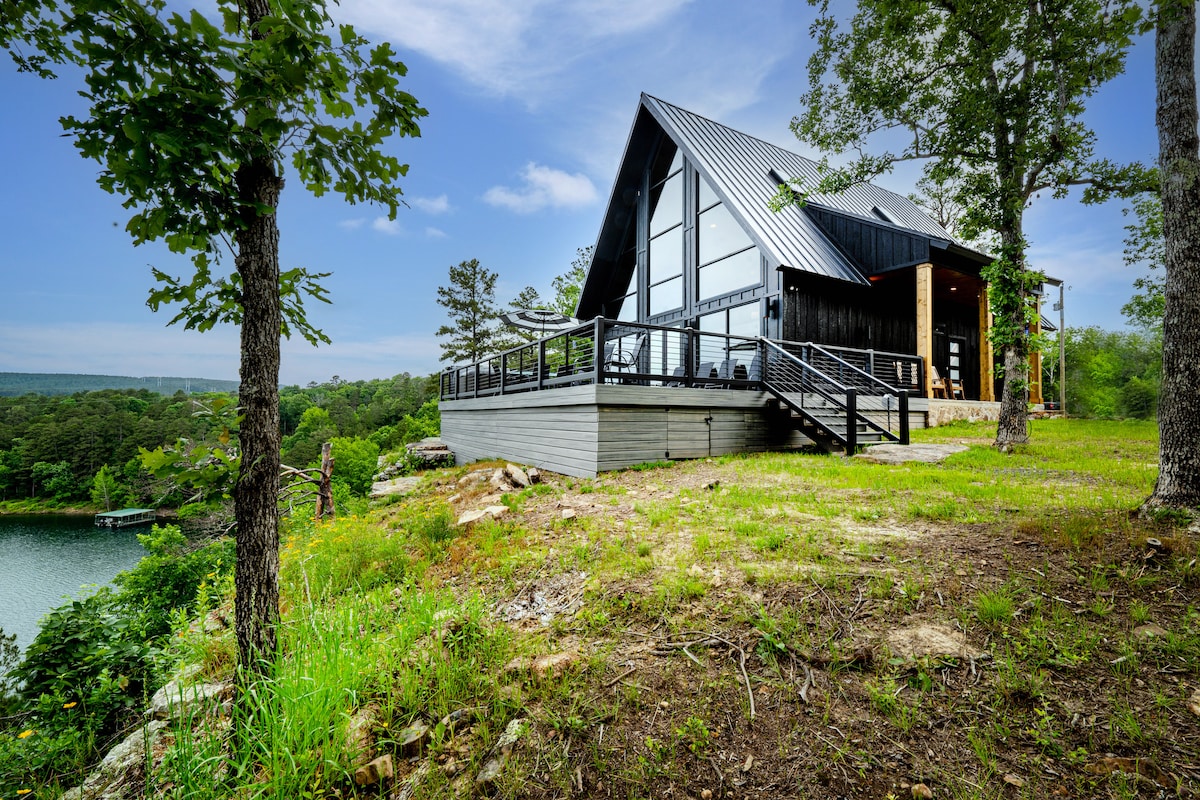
{"x":1009,"y":295}
{"x":1178,"y":483}
{"x":256,"y":509}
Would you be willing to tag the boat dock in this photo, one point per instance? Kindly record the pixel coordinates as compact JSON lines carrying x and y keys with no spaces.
{"x":125,"y":517}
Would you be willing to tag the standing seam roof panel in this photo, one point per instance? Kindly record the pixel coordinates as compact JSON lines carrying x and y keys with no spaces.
{"x":738,"y":166}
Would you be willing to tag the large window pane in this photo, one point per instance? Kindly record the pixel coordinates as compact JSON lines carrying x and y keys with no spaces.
{"x":666,"y":296}
{"x":707,"y":195}
{"x":744,"y":320}
{"x":720,"y":235}
{"x":713,"y":323}
{"x":734,"y":272}
{"x":666,"y":256}
{"x":628,"y":312}
{"x":666,"y":204}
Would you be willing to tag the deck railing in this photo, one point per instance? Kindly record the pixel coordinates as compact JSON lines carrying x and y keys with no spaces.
{"x":609,"y":351}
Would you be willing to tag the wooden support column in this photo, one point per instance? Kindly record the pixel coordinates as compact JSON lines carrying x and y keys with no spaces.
{"x":925,"y":322}
{"x":987,"y":359}
{"x":1035,"y":361}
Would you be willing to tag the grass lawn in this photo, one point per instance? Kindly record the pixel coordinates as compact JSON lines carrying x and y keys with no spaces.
{"x":779,"y":625}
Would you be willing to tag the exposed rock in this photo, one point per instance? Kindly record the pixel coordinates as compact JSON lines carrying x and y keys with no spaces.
{"x":358,"y":732}
{"x":1149,"y":631}
{"x":517,"y":476}
{"x":393,"y":486}
{"x":121,"y":774}
{"x":496,"y":511}
{"x":901,"y":453}
{"x":1194,"y":703}
{"x":921,"y":792}
{"x":1014,"y":780}
{"x":552,"y":665}
{"x":411,"y":741}
{"x":408,"y":787}
{"x":569,"y":513}
{"x":535,"y":475}
{"x":930,"y":640}
{"x":476,"y":476}
{"x":375,"y":772}
{"x":429,"y":454}
{"x":176,"y":699}
{"x":494,"y":765}
{"x":472,"y":516}
{"x":499,"y":481}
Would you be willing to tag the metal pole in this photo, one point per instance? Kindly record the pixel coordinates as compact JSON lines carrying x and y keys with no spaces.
{"x":1062,"y":353}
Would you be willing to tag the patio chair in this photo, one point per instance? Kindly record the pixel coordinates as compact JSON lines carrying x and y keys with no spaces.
{"x":705,"y":371}
{"x":943,"y":386}
{"x":725,"y":373}
{"x":624,"y":358}
{"x":678,"y":377}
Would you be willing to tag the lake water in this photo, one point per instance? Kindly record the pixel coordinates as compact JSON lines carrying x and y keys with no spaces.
{"x":46,"y":560}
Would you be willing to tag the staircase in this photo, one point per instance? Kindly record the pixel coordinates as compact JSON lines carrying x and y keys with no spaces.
{"x":825,"y":409}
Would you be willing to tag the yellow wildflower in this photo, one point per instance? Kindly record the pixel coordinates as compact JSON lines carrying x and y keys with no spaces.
{"x":23,"y":791}
{"x":25,"y":734}
{"x":71,"y":704}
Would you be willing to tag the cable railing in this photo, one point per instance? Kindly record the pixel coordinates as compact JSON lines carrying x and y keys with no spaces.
{"x":815,"y":380}
{"x":872,"y":372}
{"x":629,"y":353}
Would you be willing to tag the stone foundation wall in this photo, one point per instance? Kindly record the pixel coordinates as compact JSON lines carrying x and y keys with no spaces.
{"x":943,"y":412}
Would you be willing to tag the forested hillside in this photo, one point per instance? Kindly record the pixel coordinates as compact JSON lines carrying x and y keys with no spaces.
{"x":15,"y":384}
{"x":54,"y":447}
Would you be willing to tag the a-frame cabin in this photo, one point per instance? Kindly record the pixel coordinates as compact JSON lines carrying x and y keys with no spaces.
{"x":689,"y":238}
{"x":836,"y":323}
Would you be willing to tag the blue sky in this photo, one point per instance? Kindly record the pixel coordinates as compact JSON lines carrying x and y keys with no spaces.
{"x":529,"y":105}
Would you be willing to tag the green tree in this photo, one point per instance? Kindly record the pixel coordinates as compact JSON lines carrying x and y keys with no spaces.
{"x":991,"y":96}
{"x":1178,"y":484}
{"x":192,"y":121}
{"x":1145,"y":247}
{"x":55,"y":479}
{"x":470,"y":302}
{"x":355,"y":462}
{"x":107,"y":491}
{"x":568,"y":286}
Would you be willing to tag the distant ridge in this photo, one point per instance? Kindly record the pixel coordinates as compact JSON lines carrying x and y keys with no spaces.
{"x":15,"y":384}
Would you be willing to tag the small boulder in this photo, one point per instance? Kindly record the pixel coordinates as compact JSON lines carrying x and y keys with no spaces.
{"x":1149,"y":631}
{"x":472,"y":516}
{"x":411,"y":741}
{"x":498,"y":481}
{"x":496,"y":511}
{"x":375,"y":772}
{"x":569,"y":513}
{"x":1194,"y":703}
{"x":175,"y":699}
{"x":518,"y":476}
{"x":535,"y":475}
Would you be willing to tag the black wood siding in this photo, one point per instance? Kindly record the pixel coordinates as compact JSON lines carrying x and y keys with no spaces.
{"x":873,"y":247}
{"x":881,"y":316}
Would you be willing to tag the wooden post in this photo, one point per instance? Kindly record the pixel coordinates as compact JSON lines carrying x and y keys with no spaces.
{"x":925,"y":322}
{"x":987,"y":368}
{"x":324,"y":486}
{"x":1035,"y":357}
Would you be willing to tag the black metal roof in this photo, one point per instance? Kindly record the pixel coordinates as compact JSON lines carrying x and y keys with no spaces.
{"x":745,"y":173}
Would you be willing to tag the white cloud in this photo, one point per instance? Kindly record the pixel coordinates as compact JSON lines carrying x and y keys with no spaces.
{"x":435,"y":233}
{"x":351,"y":224}
{"x":543,"y":187}
{"x":432,"y":205}
{"x":390,"y":227}
{"x":507,"y":48}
